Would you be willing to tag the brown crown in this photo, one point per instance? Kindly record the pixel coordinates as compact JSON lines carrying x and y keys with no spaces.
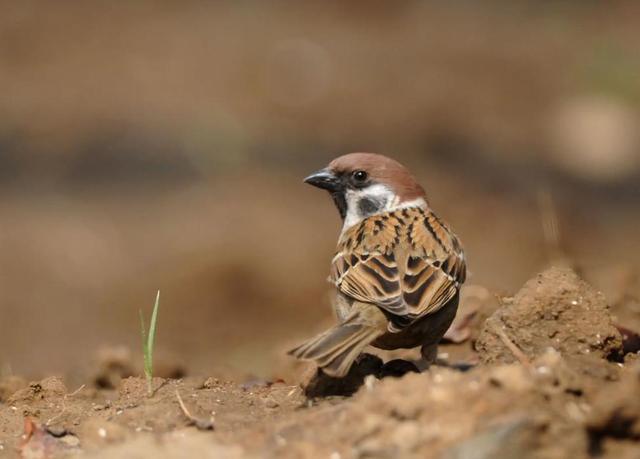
{"x":380,"y":169}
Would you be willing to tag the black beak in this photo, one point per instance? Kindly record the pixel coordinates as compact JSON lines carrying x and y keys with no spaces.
{"x":324,"y":179}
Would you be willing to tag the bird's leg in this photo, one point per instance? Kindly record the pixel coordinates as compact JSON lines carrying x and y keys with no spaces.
{"x":429,"y":353}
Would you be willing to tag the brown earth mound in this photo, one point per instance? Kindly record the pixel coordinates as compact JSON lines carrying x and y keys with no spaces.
{"x":556,"y":310}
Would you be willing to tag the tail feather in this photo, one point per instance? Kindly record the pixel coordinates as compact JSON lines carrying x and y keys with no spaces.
{"x":325,"y":343}
{"x":339,"y":366}
{"x":335,"y":350}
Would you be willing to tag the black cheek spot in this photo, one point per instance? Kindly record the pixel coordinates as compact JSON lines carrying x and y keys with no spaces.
{"x":369,"y":206}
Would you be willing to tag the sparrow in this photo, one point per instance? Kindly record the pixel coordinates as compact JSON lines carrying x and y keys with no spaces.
{"x":397,"y":270}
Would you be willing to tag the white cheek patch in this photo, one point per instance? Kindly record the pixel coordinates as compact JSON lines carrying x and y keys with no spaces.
{"x":374,"y":199}
{"x":368,"y":201}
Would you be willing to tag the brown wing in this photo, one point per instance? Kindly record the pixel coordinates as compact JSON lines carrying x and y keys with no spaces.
{"x":407,"y":262}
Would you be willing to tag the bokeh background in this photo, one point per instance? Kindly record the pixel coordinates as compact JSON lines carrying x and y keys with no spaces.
{"x":152,"y":145}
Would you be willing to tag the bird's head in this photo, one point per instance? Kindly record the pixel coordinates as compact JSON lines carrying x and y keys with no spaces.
{"x":365,"y":184}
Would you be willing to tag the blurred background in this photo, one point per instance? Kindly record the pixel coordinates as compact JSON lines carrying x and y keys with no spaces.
{"x":152,"y":145}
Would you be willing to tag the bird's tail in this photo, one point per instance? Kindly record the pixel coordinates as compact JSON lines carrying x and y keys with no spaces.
{"x":335,"y":350}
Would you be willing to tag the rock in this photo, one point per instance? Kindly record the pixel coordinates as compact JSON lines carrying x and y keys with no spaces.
{"x":269,"y":402}
{"x":210,"y":383}
{"x":38,"y":442}
{"x":555,"y":310}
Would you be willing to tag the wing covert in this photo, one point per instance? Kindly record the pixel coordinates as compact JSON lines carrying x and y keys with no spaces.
{"x":407,"y":262}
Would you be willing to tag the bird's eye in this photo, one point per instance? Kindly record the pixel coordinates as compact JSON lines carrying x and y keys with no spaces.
{"x":360,"y":176}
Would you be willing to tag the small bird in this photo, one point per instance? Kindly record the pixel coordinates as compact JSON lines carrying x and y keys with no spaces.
{"x":398,"y":267}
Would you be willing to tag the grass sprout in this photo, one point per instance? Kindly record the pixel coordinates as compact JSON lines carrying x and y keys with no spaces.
{"x":148,"y":340}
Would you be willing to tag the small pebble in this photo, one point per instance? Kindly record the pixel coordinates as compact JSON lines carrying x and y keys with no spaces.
{"x":70,"y":440}
{"x":271,"y":403}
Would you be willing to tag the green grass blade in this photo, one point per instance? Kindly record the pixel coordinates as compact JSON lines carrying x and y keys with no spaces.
{"x":145,"y":351}
{"x":143,"y":328}
{"x":152,"y":332}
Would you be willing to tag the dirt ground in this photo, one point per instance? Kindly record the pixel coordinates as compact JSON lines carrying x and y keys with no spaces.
{"x":546,"y":373}
{"x":161,"y":145}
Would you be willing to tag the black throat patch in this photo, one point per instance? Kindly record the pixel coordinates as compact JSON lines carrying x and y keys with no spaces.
{"x":341,"y":202}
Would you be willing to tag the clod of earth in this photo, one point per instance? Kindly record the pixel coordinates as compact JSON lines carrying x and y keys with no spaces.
{"x":556,"y":310}
{"x":47,"y":388}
